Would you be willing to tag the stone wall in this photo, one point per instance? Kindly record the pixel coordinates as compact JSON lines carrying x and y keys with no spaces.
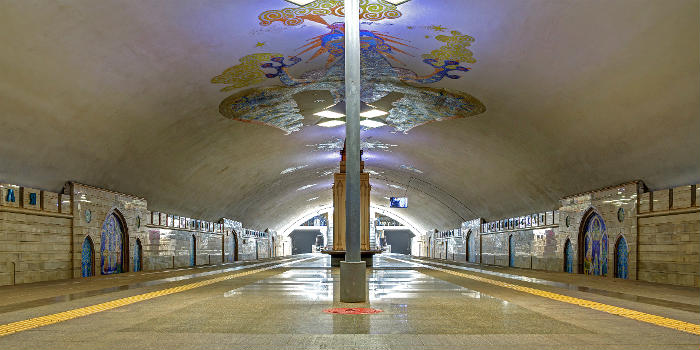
{"x":42,"y":234}
{"x":661,"y":230}
{"x":35,"y":235}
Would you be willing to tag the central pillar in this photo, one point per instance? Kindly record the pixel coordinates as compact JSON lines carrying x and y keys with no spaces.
{"x":353,"y":282}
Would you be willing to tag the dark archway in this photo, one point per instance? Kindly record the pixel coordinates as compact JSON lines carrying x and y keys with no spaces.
{"x":193,"y":251}
{"x":400,"y":241}
{"x":568,"y":257}
{"x":234,"y":243}
{"x":511,"y":251}
{"x":303,"y":239}
{"x":88,"y":258}
{"x":114,"y":244}
{"x":138,"y":256}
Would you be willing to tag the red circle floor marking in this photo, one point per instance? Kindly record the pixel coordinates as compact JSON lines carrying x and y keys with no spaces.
{"x":352,"y":311}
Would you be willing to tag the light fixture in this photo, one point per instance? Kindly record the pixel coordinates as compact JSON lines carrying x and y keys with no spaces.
{"x":303,"y":2}
{"x":331,"y":122}
{"x":335,"y":116}
{"x":372,"y":123}
{"x":373,"y":113}
{"x":393,"y":2}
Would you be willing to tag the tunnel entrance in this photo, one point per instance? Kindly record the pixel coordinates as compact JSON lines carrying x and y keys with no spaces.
{"x":304,"y":239}
{"x":399,"y":240}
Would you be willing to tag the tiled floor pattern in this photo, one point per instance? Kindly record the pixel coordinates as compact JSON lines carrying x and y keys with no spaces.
{"x":615,"y":310}
{"x":281,"y":308}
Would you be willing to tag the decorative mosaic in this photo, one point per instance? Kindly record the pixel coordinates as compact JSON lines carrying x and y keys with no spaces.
{"x":380,"y":77}
{"x":621,"y":259}
{"x":568,"y":257}
{"x":111,"y":246}
{"x":595,"y":250}
{"x":455,"y":48}
{"x":86,"y":258}
{"x":246,"y":73}
{"x":370,"y":10}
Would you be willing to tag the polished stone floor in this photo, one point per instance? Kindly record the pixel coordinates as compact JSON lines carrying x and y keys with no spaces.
{"x":281,"y":307}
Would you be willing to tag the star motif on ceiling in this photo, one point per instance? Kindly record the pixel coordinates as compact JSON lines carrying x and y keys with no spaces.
{"x":437,"y":28}
{"x":259,"y":44}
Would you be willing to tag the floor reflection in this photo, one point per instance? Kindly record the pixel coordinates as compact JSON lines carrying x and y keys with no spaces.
{"x":412,"y":302}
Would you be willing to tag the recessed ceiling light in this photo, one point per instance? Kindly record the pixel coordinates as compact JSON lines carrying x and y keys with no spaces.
{"x":329,"y":123}
{"x":372,"y":113}
{"x":371,"y":123}
{"x":395,"y":2}
{"x":329,"y":114}
{"x":306,"y":2}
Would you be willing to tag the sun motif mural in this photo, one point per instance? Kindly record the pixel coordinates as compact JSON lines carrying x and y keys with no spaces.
{"x":386,"y":81}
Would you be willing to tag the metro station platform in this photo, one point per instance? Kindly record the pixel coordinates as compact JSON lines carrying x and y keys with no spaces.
{"x":279,"y":304}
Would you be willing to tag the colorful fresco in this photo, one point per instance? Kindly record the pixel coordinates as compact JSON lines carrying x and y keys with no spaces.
{"x":455,"y":48}
{"x":511,"y":251}
{"x":385,"y":81}
{"x":621,"y":258}
{"x":87,"y":260}
{"x":111,"y":246}
{"x":246,"y":73}
{"x":138,"y":253}
{"x":595,"y":249}
{"x":370,"y":10}
{"x":568,"y":257}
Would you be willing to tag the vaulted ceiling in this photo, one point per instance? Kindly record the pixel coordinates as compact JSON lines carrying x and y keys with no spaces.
{"x":205,"y":107}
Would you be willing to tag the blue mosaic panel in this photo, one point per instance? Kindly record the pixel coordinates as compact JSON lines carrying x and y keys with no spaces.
{"x":621,"y":258}
{"x":568,"y":257}
{"x":111,"y":246}
{"x":86,"y":258}
{"x":193,"y":251}
{"x":511,"y":251}
{"x":137,"y":255}
{"x":595,"y":247}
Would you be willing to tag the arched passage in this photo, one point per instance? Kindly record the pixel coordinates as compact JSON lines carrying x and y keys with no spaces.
{"x":193,"y":251}
{"x":138,"y":256}
{"x":87,"y":258}
{"x":621,"y":258}
{"x":511,"y":251}
{"x":114,"y":247}
{"x":593,"y":249}
{"x":568,"y":257}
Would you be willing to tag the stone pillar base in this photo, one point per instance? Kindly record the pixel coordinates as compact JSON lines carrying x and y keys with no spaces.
{"x":353,"y":282}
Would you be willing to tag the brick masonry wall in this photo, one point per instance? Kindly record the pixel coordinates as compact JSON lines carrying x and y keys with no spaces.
{"x":668,"y":234}
{"x":34,"y":248}
{"x":669,"y":249}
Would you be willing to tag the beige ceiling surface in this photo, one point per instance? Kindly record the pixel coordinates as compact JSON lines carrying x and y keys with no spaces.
{"x":578,"y":95}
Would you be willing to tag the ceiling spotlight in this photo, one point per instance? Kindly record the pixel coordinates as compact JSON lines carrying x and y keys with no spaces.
{"x":373,"y":113}
{"x":372,"y":123}
{"x":335,"y":116}
{"x":306,"y":2}
{"x":331,"y":122}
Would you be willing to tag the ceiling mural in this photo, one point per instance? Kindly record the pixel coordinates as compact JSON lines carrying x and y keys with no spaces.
{"x":217,"y":99}
{"x":386,"y":82}
{"x":371,"y":10}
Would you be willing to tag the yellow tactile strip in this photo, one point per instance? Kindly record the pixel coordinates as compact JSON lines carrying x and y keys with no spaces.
{"x":41,"y":321}
{"x":615,"y":310}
